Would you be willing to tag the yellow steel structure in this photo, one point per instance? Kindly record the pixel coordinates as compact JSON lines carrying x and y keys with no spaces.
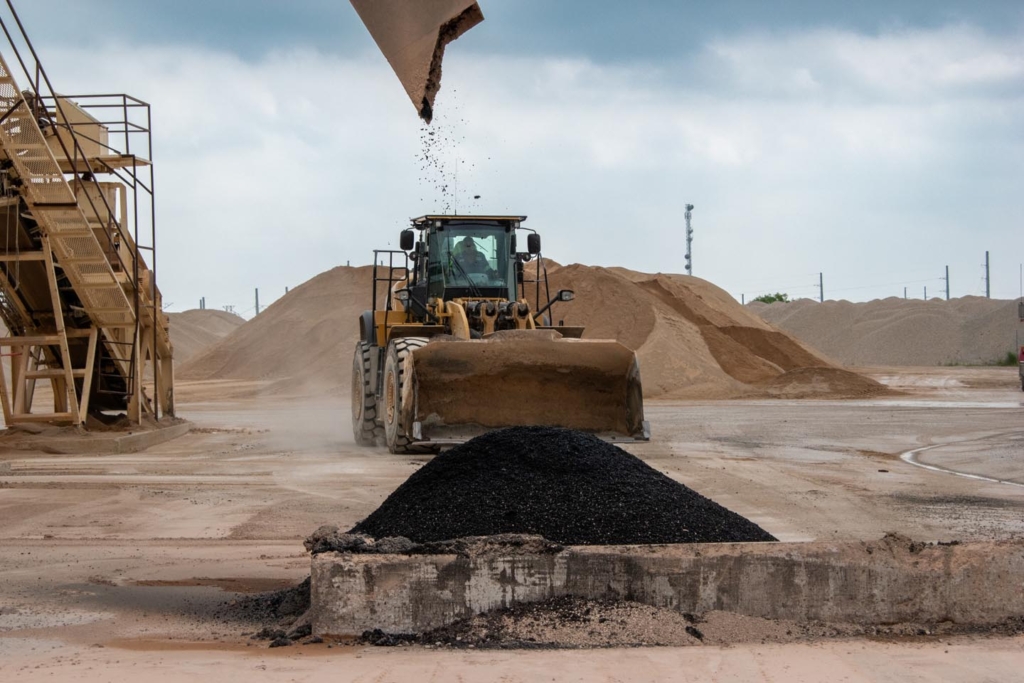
{"x":79,"y":303}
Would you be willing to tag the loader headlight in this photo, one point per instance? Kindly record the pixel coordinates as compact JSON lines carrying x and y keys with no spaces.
{"x":566,"y":295}
{"x":402,"y":295}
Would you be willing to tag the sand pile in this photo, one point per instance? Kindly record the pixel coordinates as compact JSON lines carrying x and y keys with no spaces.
{"x":567,"y":486}
{"x":693,"y":340}
{"x":306,"y":335}
{"x":971,"y":330}
{"x":196,"y":330}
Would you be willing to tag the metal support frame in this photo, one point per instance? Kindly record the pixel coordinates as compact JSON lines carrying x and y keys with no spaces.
{"x":94,"y":231}
{"x":34,"y":361}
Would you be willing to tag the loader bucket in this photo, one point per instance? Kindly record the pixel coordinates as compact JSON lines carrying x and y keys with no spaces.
{"x":412,"y":34}
{"x":460,"y":389}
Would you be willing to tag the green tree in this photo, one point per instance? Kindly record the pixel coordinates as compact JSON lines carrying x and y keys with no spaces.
{"x":1010,"y":359}
{"x":772,"y":298}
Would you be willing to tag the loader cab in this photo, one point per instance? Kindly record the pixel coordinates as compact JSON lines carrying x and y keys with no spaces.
{"x":465,"y":257}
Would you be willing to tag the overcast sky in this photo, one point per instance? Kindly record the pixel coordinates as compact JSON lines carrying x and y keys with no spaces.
{"x":876,"y":142}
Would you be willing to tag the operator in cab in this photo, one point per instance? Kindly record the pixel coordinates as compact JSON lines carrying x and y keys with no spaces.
{"x":470,"y":258}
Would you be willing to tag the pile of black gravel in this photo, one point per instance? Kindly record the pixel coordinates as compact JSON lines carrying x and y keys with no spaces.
{"x":569,"y":487}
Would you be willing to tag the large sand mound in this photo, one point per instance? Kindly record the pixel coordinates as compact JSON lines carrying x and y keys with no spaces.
{"x":971,"y":330}
{"x":693,"y":340}
{"x":196,"y":330}
{"x":306,"y":335}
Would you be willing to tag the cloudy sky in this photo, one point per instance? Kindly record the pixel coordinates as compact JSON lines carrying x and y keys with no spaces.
{"x":874,"y":142}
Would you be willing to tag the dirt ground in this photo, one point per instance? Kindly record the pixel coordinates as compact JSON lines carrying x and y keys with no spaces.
{"x":117,"y":565}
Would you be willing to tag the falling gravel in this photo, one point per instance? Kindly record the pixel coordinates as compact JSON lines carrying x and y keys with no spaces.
{"x":567,"y":486}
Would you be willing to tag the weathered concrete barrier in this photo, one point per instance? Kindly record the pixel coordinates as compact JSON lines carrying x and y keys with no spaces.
{"x":884,"y":582}
{"x":109,"y":443}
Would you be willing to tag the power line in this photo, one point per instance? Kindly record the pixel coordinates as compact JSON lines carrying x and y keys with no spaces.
{"x":888,"y":284}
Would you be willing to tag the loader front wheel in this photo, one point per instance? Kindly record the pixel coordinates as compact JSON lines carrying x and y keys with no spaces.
{"x":394,"y":381}
{"x":365,"y":429}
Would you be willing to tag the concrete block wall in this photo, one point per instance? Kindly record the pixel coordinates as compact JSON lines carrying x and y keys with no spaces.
{"x":885,"y":582}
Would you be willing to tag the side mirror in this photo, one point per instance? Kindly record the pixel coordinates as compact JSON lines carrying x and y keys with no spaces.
{"x":407,"y":240}
{"x":512,"y":244}
{"x":533,"y":243}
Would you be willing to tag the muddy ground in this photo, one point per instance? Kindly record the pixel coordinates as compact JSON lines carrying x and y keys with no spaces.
{"x":114,"y":565}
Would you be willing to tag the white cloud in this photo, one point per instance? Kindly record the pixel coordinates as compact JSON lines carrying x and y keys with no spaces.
{"x":862,"y":156}
{"x":901,"y":65}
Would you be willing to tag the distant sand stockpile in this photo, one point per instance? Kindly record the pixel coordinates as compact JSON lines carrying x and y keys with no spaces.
{"x":196,"y":330}
{"x":693,"y":340}
{"x":971,"y":330}
{"x":306,"y":335}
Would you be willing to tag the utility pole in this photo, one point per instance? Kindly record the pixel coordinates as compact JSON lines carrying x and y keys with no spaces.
{"x":821,"y":287}
{"x":689,"y":240}
{"x":257,"y":301}
{"x":947,"y":283}
{"x":988,"y":278}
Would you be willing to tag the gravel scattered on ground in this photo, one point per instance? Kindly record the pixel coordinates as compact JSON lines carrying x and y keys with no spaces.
{"x":569,"y":622}
{"x":284,"y":615}
{"x":569,"y":487}
{"x":288,"y":603}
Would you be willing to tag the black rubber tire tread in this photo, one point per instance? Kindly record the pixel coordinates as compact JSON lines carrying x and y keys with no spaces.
{"x":395,"y":436}
{"x":365,"y":428}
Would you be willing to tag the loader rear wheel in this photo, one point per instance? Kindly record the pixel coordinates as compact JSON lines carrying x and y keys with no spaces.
{"x":365,"y":429}
{"x":394,"y":381}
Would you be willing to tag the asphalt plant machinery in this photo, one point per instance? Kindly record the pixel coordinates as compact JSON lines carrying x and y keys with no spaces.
{"x":80,"y":304}
{"x":453,"y":348}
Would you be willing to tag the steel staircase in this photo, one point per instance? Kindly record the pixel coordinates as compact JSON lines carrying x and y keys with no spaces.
{"x":81,"y":306}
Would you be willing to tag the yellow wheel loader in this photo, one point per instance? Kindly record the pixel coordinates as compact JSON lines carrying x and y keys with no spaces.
{"x":453,"y":347}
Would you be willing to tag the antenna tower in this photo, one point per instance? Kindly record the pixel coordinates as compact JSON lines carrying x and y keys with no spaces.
{"x":689,"y":240}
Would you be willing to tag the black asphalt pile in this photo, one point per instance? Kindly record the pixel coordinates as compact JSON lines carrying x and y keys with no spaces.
{"x":569,"y":487}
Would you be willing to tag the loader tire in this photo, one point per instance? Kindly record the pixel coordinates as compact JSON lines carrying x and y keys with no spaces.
{"x":365,"y":429}
{"x":394,"y":380}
